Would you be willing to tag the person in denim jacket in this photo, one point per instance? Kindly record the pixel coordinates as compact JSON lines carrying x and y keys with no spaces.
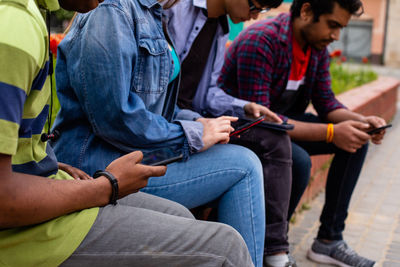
{"x":113,"y":82}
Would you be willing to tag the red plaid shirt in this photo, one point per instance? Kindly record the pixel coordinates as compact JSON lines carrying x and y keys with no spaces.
{"x":258,"y":62}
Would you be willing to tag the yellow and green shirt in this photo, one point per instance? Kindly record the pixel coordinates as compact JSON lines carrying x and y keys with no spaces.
{"x":24,"y":98}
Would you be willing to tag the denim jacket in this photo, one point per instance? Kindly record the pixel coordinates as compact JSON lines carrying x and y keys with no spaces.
{"x":112,"y":74}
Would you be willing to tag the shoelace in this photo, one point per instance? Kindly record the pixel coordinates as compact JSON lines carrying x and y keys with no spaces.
{"x":349,"y":256}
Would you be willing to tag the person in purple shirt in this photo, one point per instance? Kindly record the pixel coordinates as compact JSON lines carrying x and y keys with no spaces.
{"x":283,"y":64}
{"x":199,"y":30}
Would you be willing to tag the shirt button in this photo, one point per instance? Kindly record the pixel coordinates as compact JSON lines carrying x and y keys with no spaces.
{"x":196,"y":28}
{"x":184,"y":51}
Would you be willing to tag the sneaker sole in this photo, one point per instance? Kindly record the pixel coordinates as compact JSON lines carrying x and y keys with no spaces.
{"x":321,"y":258}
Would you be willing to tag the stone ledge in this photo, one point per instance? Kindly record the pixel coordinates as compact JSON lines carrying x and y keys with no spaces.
{"x":376,"y":98}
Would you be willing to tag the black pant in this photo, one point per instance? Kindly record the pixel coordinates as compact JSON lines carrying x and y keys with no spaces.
{"x":342,"y":179}
{"x":274,"y":151}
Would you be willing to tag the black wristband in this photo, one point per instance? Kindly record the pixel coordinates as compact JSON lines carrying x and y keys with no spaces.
{"x":114,"y":184}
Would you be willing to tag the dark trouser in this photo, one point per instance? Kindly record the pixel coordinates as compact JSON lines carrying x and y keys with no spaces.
{"x":342,"y":179}
{"x":273,"y":149}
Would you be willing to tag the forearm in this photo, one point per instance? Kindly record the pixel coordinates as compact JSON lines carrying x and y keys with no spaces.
{"x":306,"y":131}
{"x":342,"y":114}
{"x":28,"y":199}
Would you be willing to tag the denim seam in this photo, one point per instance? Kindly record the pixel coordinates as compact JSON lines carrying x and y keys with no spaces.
{"x":83,"y":76}
{"x":248,"y":177}
{"x":197,"y":177}
{"x":86,"y":102}
{"x":83,"y":151}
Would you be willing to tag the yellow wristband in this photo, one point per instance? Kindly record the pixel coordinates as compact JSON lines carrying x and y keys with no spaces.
{"x":329,"y":133}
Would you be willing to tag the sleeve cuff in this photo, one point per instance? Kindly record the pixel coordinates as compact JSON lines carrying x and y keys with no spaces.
{"x":238,"y":105}
{"x":186,"y":114}
{"x":8,"y":145}
{"x":194,"y":132}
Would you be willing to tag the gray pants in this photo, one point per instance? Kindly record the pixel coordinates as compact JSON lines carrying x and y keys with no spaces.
{"x":145,"y":230}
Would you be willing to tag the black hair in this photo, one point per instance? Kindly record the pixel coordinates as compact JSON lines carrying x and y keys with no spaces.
{"x":320,"y":7}
{"x":270,"y":3}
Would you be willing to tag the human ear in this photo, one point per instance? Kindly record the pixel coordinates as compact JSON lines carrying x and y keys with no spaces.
{"x":306,"y":13}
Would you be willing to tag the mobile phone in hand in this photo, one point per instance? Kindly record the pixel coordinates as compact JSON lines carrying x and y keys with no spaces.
{"x":377,"y":130}
{"x":161,"y":157}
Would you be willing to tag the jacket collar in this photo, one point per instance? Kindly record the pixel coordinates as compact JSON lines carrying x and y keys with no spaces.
{"x":148,"y":3}
{"x":200,"y":3}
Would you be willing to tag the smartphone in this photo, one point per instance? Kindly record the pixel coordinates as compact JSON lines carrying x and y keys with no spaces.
{"x":377,"y":130}
{"x":246,"y":126}
{"x":161,"y":157}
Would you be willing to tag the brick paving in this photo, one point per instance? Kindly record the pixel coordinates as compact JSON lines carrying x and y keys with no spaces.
{"x":373,"y":224}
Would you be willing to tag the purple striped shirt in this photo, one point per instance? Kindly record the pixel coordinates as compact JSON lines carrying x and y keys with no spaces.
{"x":258,"y":62}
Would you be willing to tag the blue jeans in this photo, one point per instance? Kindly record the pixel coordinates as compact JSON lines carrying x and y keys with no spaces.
{"x":228,"y":173}
{"x":342,"y":179}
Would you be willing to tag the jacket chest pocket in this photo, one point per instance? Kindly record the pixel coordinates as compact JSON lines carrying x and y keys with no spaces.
{"x":152,"y":68}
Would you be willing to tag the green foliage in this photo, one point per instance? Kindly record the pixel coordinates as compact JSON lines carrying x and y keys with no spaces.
{"x":344,"y":79}
{"x":63,"y":14}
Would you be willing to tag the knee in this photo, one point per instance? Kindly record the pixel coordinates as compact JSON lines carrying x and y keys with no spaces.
{"x":237,"y":253}
{"x":246,"y":159}
{"x":179,"y":210}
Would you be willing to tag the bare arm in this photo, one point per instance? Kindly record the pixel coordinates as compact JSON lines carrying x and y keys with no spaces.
{"x":342,"y":114}
{"x":28,"y":199}
{"x":349,"y":130}
{"x":306,"y":131}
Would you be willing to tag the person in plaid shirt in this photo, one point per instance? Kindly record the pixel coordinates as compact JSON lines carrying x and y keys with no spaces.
{"x":283,"y":64}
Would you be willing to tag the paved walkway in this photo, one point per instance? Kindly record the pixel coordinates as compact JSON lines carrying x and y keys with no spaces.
{"x":373,"y":224}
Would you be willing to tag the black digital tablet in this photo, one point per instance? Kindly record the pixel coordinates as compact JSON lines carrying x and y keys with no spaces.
{"x":277,"y":126}
{"x":260,"y":122}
